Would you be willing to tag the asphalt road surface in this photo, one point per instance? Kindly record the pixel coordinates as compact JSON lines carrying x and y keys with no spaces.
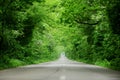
{"x":62,"y":69}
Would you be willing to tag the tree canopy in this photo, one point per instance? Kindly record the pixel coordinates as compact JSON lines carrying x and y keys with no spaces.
{"x":33,"y":31}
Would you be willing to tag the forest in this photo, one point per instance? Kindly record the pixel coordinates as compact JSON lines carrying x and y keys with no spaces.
{"x":36,"y":31}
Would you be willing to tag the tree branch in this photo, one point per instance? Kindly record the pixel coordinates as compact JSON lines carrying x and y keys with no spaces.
{"x":87,"y":23}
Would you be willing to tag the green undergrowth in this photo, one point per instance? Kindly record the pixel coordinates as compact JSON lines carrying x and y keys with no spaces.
{"x":102,"y":63}
{"x":13,"y":63}
{"x":114,"y":64}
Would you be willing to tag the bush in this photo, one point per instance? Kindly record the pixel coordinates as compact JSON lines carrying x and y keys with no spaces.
{"x":103,"y":63}
{"x":115,"y":63}
{"x":15,"y":62}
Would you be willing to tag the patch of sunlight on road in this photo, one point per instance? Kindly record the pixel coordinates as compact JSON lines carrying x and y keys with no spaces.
{"x":63,"y":77}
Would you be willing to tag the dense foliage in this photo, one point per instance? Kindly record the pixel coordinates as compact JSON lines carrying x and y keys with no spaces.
{"x":96,"y":38}
{"x":33,"y":31}
{"x":24,"y":35}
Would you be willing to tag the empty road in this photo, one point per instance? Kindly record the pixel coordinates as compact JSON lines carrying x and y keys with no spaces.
{"x":62,"y":69}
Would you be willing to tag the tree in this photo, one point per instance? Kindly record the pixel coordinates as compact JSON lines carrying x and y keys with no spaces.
{"x":97,"y":23}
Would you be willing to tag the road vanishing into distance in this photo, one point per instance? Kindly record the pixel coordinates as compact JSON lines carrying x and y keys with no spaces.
{"x":61,"y":69}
